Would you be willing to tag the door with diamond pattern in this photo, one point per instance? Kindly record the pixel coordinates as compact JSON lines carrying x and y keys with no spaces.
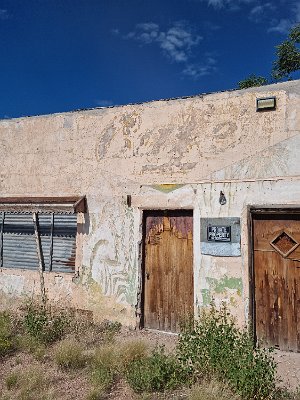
{"x":276,"y":258}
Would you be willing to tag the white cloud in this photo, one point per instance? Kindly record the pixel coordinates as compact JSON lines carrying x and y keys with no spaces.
{"x":284,"y":25}
{"x":176,"y":42}
{"x":115,"y":31}
{"x":297,"y":11}
{"x":4,"y":14}
{"x":104,"y":103}
{"x":261,"y":11}
{"x":281,"y":26}
{"x":197,"y":71}
{"x":148,"y":26}
{"x":233,"y":5}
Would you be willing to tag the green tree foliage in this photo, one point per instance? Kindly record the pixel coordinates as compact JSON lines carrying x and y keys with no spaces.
{"x":287,"y":61}
{"x":288,"y":56}
{"x":252,"y":81}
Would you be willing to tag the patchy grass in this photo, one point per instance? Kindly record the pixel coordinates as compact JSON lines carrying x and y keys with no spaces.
{"x":157,"y":372}
{"x":212,"y":390}
{"x":131,"y":351}
{"x":104,"y":369}
{"x":29,"y":384}
{"x":213,"y":360}
{"x":6,"y":334}
{"x":31,"y":345}
{"x":69,"y":354}
{"x":11,"y":380}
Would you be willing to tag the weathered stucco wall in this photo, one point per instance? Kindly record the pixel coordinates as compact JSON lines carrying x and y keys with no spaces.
{"x":199,"y":146}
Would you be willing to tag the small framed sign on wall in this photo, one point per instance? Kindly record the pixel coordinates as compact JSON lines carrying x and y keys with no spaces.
{"x":220,"y":236}
{"x":217,"y":233}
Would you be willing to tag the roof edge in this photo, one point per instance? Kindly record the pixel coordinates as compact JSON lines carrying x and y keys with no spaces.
{"x":200,"y":95}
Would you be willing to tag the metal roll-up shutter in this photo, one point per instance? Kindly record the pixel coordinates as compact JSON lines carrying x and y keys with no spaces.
{"x":64,"y":242}
{"x":19,"y":244}
{"x":57,"y":236}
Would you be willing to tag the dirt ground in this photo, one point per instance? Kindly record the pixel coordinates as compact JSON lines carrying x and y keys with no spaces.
{"x":288,"y":363}
{"x":75,"y":385}
{"x":288,"y":370}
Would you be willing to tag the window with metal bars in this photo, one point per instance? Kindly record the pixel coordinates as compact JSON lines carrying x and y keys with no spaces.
{"x":38,"y":240}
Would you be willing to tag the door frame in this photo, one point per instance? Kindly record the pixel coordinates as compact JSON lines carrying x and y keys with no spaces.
{"x":145,"y":213}
{"x":251,"y":211}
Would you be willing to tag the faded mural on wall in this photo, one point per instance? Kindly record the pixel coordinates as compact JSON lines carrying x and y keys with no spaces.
{"x":176,"y":154}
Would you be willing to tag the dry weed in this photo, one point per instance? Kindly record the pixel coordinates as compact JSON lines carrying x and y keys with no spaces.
{"x":212,"y":390}
{"x":28,"y":384}
{"x":69,"y":354}
{"x":131,"y":351}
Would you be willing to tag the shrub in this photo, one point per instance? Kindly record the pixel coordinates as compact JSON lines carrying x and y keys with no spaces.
{"x":6,"y":335}
{"x":132,"y":351}
{"x":11,"y":380}
{"x":44,"y":324}
{"x":32,"y":345}
{"x":214,"y":345}
{"x":109,"y":329}
{"x":105,"y":367}
{"x":95,"y":395}
{"x":285,"y":394}
{"x":69,"y":354}
{"x":157,"y":372}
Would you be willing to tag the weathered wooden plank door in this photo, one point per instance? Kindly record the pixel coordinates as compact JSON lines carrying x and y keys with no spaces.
{"x":276,"y":247}
{"x":168,"y":268}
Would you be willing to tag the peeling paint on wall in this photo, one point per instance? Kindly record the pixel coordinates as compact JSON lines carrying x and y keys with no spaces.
{"x":221,"y":285}
{"x":113,"y":260}
{"x":200,"y":146}
{"x":167,"y":187}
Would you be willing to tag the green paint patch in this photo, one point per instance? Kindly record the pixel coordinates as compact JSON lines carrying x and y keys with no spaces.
{"x":220,"y":285}
{"x":206,"y":297}
{"x":166,"y":187}
{"x":233,"y":301}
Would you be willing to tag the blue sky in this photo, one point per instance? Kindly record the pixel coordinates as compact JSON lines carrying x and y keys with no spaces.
{"x":61,"y":55}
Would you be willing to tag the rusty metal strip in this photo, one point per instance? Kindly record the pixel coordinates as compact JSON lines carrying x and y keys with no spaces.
{"x":1,"y":240}
{"x":40,"y":255}
{"x":51,"y":242}
{"x":45,"y":204}
{"x":80,"y":205}
{"x":39,"y":200}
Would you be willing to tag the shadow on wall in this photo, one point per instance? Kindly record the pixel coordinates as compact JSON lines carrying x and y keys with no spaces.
{"x":84,"y":228}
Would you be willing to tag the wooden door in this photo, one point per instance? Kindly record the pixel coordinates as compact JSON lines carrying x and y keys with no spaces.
{"x":276,"y":247}
{"x":168,"y":268}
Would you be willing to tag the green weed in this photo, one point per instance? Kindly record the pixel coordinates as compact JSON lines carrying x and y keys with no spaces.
{"x":29,"y":384}
{"x":215,"y":346}
{"x":157,"y":372}
{"x":11,"y":380}
{"x":44,"y":324}
{"x":131,"y":351}
{"x":6,"y":334}
{"x":109,"y":329}
{"x":32,"y":345}
{"x":105,"y":367}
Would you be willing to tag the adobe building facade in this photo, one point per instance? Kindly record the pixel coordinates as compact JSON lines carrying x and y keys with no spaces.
{"x":188,"y":200}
